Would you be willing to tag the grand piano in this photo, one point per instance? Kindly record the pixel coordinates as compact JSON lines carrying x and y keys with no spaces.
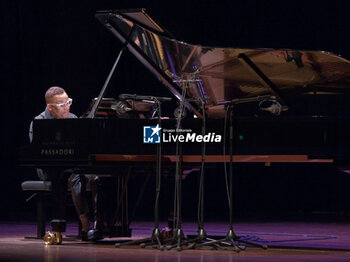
{"x":287,"y":105}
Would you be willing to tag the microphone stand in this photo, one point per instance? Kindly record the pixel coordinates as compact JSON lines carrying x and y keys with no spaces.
{"x":229,"y":241}
{"x":154,"y":240}
{"x":178,"y":238}
{"x":201,"y":238}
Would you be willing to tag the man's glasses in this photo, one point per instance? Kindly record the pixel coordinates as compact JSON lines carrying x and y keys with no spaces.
{"x":67,"y":103}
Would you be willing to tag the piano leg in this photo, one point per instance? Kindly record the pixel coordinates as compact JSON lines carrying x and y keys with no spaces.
{"x":111,"y":218}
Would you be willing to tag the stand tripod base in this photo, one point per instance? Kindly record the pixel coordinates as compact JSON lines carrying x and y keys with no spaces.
{"x":201,"y":239}
{"x":150,"y":242}
{"x":228,"y":243}
{"x":178,"y":240}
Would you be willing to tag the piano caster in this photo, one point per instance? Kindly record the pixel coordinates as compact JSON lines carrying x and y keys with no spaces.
{"x":53,"y":238}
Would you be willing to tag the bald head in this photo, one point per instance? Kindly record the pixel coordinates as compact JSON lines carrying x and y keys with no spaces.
{"x":58,"y":102}
{"x":53,"y":91}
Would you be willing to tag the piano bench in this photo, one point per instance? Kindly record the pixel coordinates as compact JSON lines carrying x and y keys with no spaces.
{"x":40,"y":189}
{"x":36,"y":186}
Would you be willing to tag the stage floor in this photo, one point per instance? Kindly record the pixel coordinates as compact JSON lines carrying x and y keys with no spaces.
{"x":287,"y":241}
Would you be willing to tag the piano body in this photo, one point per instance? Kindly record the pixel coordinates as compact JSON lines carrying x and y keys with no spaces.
{"x":294,"y":84}
{"x":285,"y":105}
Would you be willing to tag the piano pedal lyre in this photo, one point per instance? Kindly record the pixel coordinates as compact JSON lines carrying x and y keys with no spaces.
{"x":53,"y":238}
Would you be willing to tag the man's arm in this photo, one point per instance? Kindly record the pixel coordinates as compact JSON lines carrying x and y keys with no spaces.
{"x":31,"y":132}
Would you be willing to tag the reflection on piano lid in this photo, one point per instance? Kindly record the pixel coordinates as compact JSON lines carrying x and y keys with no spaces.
{"x":220,"y":75}
{"x":123,"y":108}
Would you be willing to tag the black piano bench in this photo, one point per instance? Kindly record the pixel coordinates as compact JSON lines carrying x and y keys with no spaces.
{"x":40,"y":191}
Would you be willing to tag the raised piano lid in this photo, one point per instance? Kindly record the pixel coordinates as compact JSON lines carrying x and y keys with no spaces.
{"x":220,"y":75}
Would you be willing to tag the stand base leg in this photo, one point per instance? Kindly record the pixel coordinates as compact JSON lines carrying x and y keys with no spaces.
{"x":178,"y":240}
{"x":228,"y":243}
{"x":153,"y":241}
{"x":201,"y":238}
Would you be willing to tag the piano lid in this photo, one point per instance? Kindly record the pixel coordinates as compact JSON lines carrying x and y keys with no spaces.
{"x":220,"y":75}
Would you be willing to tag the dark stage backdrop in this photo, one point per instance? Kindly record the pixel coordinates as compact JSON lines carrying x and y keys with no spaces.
{"x":45,"y":43}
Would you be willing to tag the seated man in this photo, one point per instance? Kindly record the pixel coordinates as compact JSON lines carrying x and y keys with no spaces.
{"x":58,"y":107}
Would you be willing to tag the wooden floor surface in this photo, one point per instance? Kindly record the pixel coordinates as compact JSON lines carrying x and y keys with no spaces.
{"x":286,"y":242}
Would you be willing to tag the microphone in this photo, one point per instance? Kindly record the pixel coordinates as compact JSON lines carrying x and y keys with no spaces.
{"x":273,"y":107}
{"x":251,"y":99}
{"x":297,"y":57}
{"x":138,"y":97}
{"x":121,"y":108}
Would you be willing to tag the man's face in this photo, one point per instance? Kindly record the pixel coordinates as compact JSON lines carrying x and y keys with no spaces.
{"x":56,"y":110}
